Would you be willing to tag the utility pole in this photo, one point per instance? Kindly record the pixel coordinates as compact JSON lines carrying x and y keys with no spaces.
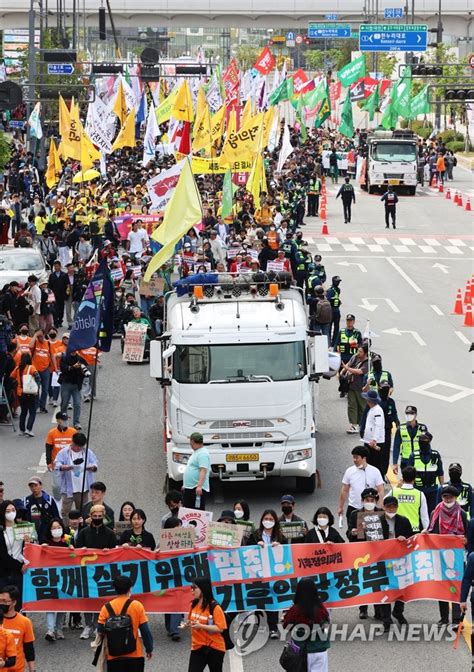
{"x":439,"y":41}
{"x":31,"y":60}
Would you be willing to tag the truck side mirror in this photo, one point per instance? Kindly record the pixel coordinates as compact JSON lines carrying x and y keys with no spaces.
{"x":320,"y":363}
{"x":156,"y":360}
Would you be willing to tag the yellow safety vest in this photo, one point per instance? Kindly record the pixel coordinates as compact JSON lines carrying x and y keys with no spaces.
{"x":408,"y":446}
{"x":409,"y":505}
{"x":426,"y":473}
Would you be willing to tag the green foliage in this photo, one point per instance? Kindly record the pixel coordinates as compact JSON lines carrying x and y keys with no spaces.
{"x":455,"y":146}
{"x":314,"y":59}
{"x":5,"y":150}
{"x":451,"y":136}
{"x":382,"y":62}
{"x":330,"y":59}
{"x":424,"y":132}
{"x":247,"y":55}
{"x":421,"y":128}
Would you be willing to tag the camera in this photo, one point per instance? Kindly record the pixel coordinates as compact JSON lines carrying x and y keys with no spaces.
{"x":85,"y":371}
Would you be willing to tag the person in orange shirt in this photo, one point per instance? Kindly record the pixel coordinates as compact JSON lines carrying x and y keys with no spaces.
{"x":20,"y":627}
{"x":58,"y":438}
{"x":7,"y":646}
{"x":130,"y":661}
{"x":41,"y":354}
{"x":207,"y":622}
{"x":22,"y":339}
{"x":27,"y":400}
{"x":92,"y":357}
{"x":56,"y":347}
{"x":440,"y":167}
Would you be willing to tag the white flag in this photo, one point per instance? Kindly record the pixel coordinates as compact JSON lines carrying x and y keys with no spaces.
{"x":100,"y":125}
{"x":286,"y":149}
{"x":214,"y":97}
{"x":161,"y":187}
{"x":151,"y":133}
{"x":34,"y":122}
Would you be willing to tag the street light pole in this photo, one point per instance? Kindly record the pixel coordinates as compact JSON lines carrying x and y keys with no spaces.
{"x":31,"y":59}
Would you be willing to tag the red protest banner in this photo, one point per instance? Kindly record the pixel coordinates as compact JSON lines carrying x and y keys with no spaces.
{"x":346,"y":575}
{"x":265,"y":62}
{"x":299,"y":80}
{"x":231,"y":83}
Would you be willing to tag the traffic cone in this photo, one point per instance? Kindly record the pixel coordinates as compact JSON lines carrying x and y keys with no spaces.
{"x":460,"y":199}
{"x":456,"y":197}
{"x":458,"y":305}
{"x":448,"y":193}
{"x":325,"y":230}
{"x":468,"y":292}
{"x":468,"y":321}
{"x":468,"y":205}
{"x":434,"y":181}
{"x":440,"y":188}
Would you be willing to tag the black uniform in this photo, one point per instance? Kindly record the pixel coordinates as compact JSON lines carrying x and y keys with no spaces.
{"x":334,"y":297}
{"x":347,"y":193}
{"x":390,"y":199}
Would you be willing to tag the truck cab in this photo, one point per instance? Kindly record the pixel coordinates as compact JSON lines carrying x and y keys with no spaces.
{"x":391,"y":160}
{"x":237,"y":364}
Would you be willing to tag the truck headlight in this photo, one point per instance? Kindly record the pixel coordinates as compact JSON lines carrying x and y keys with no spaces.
{"x":297,"y":455}
{"x":378,"y":177}
{"x":180,"y":458}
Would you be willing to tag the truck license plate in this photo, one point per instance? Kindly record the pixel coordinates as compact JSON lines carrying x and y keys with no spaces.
{"x":243,"y":457}
{"x":394,"y":181}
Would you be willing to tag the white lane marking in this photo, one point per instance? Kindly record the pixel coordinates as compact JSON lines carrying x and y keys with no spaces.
{"x":310,"y":241}
{"x":402,"y":248}
{"x":322,"y":247}
{"x":437,"y":310}
{"x":395,"y":331}
{"x":407,"y":241}
{"x":444,"y":269}
{"x":426,"y":390}
{"x":357,"y":241}
{"x":42,"y":467}
{"x":462,"y":338}
{"x":433,"y":242}
{"x":347,"y":263}
{"x":332,"y":241}
{"x":381,"y":241}
{"x":236,"y":662}
{"x":348,"y":247}
{"x":457,"y":241}
{"x":375,"y":248}
{"x":453,"y":250}
{"x":404,"y":275}
{"x":427,"y":249}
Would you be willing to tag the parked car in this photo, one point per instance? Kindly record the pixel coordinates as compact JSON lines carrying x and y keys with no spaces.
{"x":18,"y":263}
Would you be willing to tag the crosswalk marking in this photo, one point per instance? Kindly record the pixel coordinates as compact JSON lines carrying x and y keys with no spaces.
{"x":323,"y":247}
{"x":407,"y":241}
{"x":381,"y":241}
{"x":452,"y":249}
{"x":402,"y":248}
{"x":357,"y":241}
{"x":457,"y":242}
{"x":348,"y":247}
{"x":331,"y":240}
{"x":427,"y":249}
{"x":433,"y":242}
{"x":375,"y":248}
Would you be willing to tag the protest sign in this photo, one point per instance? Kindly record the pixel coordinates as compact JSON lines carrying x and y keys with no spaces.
{"x":200,"y":520}
{"x":153,"y":287}
{"x":116,"y":274}
{"x":276,"y":266}
{"x":294,"y":530}
{"x":134,"y":342}
{"x":22,"y":530}
{"x":122,"y":526}
{"x":177,"y":539}
{"x":426,"y":566}
{"x":369,"y":525}
{"x":224,"y":535}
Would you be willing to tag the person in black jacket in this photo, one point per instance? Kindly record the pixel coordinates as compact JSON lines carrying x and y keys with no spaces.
{"x":59,"y":284}
{"x":137,"y":535}
{"x":11,"y":550}
{"x":73,"y":369}
{"x":323,"y":530}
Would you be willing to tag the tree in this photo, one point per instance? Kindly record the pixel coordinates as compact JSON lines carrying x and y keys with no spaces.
{"x":247,"y":55}
{"x":381,"y":62}
{"x":5,"y":150}
{"x":314,"y":59}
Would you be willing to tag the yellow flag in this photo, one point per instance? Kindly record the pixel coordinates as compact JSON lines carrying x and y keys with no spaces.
{"x":247,"y":111}
{"x":63,"y":116}
{"x":254,"y":183}
{"x":183,"y":211}
{"x":126,"y":136}
{"x":267,"y":127}
{"x":120,"y":104}
{"x":163,"y":111}
{"x":231,"y":122}
{"x":71,"y":135}
{"x":183,"y":105}
{"x":202,"y":131}
{"x":244,"y":141}
{"x":54,"y":165}
{"x":89,"y":153}
{"x":201,"y":102}
{"x":217,"y":125}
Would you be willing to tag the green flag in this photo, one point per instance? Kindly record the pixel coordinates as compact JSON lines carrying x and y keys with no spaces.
{"x":420,"y":104}
{"x":353,"y":71}
{"x":371,"y":105}
{"x":280,"y":93}
{"x":316,"y":95}
{"x":300,"y":117}
{"x":347,"y":125}
{"x":227,"y":195}
{"x":323,"y":113}
{"x":390,"y":114}
{"x":403,"y":101}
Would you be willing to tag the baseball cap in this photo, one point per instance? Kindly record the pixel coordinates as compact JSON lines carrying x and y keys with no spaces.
{"x":350,"y":316}
{"x":287,"y":498}
{"x":449,"y":490}
{"x":61,"y":416}
{"x":36,"y":480}
{"x":197,"y":437}
{"x":411,"y":409}
{"x":369,"y":492}
{"x":390,"y":499}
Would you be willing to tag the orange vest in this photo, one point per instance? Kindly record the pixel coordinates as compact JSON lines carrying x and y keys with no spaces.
{"x":89,"y":355}
{"x":23,"y":343}
{"x":41,"y":355}
{"x":57,"y":348}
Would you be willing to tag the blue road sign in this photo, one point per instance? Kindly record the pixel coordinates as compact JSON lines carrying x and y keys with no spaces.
{"x":15,"y":123}
{"x":318,"y":31}
{"x":393,"y":13}
{"x":331,"y":17}
{"x":290,"y":35}
{"x":384,"y":37}
{"x":60,"y":68}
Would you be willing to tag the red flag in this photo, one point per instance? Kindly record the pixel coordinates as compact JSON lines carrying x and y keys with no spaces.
{"x":231,"y":83}
{"x":370,"y":85}
{"x":185,"y":142}
{"x":299,"y":80}
{"x":265,"y":62}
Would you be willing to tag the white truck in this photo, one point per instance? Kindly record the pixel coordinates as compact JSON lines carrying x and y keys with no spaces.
{"x":237,"y":364}
{"x":391,"y":160}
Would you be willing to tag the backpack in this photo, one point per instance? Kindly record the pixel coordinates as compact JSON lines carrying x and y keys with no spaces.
{"x":323,"y":312}
{"x":119,"y":631}
{"x":229,"y":644}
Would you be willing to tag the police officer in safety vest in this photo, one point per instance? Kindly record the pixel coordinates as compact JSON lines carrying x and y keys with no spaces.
{"x":347,"y":343}
{"x":406,"y":437}
{"x":334,"y":297}
{"x":411,"y":501}
{"x":314,"y":189}
{"x":465,"y":498}
{"x":302,"y":260}
{"x":347,"y":193}
{"x":320,"y":270}
{"x":377,"y":375}
{"x":429,"y":469}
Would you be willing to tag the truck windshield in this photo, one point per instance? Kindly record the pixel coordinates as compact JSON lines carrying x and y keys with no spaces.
{"x":235,"y":363}
{"x":394,"y":151}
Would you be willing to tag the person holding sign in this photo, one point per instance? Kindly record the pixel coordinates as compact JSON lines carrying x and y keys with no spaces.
{"x":137,"y":535}
{"x":196,"y":474}
{"x":12,"y":560}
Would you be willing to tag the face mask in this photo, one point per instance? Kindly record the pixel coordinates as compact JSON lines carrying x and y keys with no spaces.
{"x":238,"y":514}
{"x":409,"y":417}
{"x":56,"y":534}
{"x":268,"y":524}
{"x":454,"y":476}
{"x":449,"y":505}
{"x":97,"y":521}
{"x":424,"y":445}
{"x":175,"y":510}
{"x":322,"y":522}
{"x":10,"y":515}
{"x":287,"y":510}
{"x":369,"y":506}
{"x":390,"y":515}
{"x":53,"y":335}
{"x":384,"y":393}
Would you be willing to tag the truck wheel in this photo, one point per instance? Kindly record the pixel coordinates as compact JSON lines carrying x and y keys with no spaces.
{"x":412,"y":191}
{"x":306,"y":484}
{"x":370,"y":189}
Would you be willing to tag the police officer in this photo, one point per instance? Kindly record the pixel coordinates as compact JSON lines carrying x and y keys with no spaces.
{"x":390,"y":199}
{"x":429,"y":469}
{"x":289,"y":246}
{"x":348,"y":341}
{"x":314,"y":189}
{"x":320,"y":270}
{"x":377,"y":375}
{"x":347,"y":193}
{"x":411,"y":501}
{"x":465,"y":498}
{"x":301,"y":266}
{"x":406,"y":437}
{"x":334,"y":297}
{"x":391,"y":418}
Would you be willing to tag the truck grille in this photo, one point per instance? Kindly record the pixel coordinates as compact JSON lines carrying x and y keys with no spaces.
{"x":236,"y":436}
{"x":229,"y":424}
{"x":393,"y":176}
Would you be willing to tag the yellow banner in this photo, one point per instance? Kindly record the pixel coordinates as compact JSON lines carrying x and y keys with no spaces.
{"x":163,"y":111}
{"x":218,"y":166}
{"x":245,"y":141}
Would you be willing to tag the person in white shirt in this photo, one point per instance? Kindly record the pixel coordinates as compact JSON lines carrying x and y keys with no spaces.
{"x":136,"y":240}
{"x":218,"y":248}
{"x":33,"y":294}
{"x":372,"y":428}
{"x":356,"y":479}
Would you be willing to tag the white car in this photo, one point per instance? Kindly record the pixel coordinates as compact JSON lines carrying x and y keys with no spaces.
{"x":18,"y":263}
